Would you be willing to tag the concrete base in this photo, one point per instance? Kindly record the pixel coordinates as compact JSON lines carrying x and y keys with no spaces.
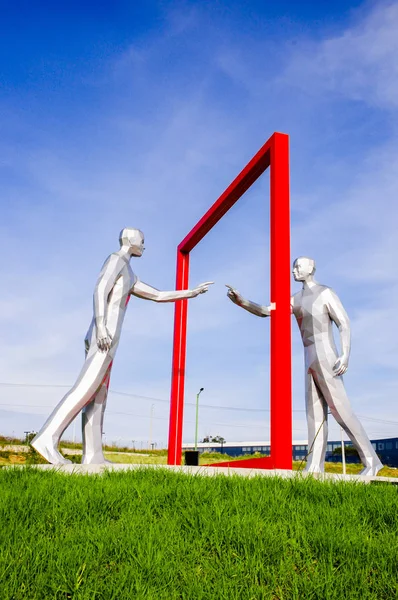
{"x":212,"y":471}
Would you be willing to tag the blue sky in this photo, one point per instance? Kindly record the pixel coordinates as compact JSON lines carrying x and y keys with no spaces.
{"x":140,"y":114}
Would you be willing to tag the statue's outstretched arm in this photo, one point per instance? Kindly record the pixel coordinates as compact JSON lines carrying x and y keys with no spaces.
{"x":252,"y":307}
{"x":143,"y":290}
{"x":106,"y":280}
{"x":338,"y":314}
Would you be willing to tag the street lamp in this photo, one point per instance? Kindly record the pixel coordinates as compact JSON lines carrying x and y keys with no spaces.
{"x":150,"y":425}
{"x":197,"y":417}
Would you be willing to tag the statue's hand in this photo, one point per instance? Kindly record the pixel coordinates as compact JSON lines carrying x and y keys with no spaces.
{"x":201,"y":288}
{"x":104,"y":338}
{"x":341,"y":365}
{"x":234,"y":295}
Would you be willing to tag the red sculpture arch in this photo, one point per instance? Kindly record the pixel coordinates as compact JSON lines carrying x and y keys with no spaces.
{"x":275,"y":155}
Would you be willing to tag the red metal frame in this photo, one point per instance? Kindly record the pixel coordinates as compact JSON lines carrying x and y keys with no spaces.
{"x":274,"y":154}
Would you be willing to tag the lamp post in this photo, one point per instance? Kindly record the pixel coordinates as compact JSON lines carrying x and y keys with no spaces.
{"x":197,"y":417}
{"x":150,"y":425}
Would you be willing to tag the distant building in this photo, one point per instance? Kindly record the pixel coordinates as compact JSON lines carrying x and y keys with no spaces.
{"x":386,"y":448}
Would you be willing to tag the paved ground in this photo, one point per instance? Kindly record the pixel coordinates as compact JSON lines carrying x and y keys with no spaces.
{"x":211,"y":471}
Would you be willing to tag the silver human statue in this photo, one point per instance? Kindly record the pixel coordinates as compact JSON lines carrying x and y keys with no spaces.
{"x":316,"y":307}
{"x":116,"y":283}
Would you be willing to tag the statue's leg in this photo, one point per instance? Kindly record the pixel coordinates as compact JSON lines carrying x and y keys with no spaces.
{"x":317,"y":423}
{"x":92,"y":425}
{"x":89,"y":381}
{"x":335,"y":395}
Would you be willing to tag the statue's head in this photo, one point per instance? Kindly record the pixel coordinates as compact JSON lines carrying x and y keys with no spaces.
{"x":303,"y":268}
{"x":133,"y":240}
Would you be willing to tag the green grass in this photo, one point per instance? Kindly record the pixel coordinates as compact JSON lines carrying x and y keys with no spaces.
{"x":136,"y":459}
{"x":115,"y":448}
{"x":5,"y":441}
{"x":154,"y":535}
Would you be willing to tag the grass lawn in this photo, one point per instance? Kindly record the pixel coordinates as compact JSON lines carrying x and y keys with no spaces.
{"x":154,"y":535}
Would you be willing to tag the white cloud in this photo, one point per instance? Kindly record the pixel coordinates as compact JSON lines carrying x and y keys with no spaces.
{"x":360,"y":63}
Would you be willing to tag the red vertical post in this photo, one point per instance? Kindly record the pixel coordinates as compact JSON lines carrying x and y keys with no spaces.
{"x":281,"y":384}
{"x":178,"y":364}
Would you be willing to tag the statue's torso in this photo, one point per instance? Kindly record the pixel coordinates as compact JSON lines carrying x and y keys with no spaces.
{"x":116,"y":304}
{"x":118,"y":299}
{"x":310,"y":307}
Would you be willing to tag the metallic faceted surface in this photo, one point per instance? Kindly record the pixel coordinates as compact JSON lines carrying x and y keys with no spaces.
{"x":115,"y":284}
{"x":316,"y":308}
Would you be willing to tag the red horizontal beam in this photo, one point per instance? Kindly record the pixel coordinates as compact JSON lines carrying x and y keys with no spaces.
{"x":258,"y":164}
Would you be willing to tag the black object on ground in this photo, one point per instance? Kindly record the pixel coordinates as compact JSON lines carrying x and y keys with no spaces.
{"x":192,"y":458}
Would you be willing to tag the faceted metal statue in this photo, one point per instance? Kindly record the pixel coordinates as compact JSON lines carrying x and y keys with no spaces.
{"x":116,"y":283}
{"x":316,"y":307}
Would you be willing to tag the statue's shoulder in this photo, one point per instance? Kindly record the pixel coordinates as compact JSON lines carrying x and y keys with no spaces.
{"x":113,"y":264}
{"x":111,"y":258}
{"x":114,"y":256}
{"x":327,"y":292}
{"x":324,"y":289}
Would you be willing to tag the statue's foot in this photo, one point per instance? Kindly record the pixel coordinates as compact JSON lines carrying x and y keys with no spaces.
{"x":313,"y":469}
{"x":48,"y":452}
{"x":98,"y":459}
{"x":371,"y":470}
